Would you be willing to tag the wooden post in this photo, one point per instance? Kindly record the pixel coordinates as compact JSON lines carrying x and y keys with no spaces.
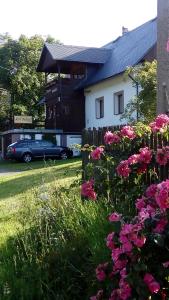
{"x":162,"y":57}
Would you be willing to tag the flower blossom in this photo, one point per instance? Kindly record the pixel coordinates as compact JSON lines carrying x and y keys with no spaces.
{"x":160,"y":123}
{"x":100,"y":271}
{"x":111,"y":138}
{"x":151,"y":190}
{"x":162,"y":195}
{"x":152,"y":284}
{"x":162,"y":156}
{"x":160,"y":226}
{"x":87,"y":190}
{"x":96,"y":154}
{"x":145,"y":155}
{"x":123,"y":168}
{"x":140,"y":203}
{"x":166,"y":264}
{"x":109,"y":241}
{"x":114,"y":217}
{"x":128,"y":131}
{"x":98,"y":296}
{"x":133,"y":159}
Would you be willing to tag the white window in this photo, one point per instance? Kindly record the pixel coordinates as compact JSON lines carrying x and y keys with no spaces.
{"x":119,"y":103}
{"x":100,"y":108}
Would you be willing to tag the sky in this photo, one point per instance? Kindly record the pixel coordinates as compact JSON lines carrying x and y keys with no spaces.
{"x":75,"y":22}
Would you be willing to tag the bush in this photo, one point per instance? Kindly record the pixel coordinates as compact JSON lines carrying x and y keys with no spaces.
{"x":139,"y":264}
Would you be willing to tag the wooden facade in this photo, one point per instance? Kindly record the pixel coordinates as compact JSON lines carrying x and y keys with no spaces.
{"x":65,"y":106}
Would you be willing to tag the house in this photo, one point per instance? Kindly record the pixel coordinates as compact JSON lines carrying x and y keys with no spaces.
{"x":89,"y":88}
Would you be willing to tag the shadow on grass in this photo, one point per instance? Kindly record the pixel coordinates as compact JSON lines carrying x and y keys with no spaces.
{"x":62,"y":171}
{"x":12,"y":166}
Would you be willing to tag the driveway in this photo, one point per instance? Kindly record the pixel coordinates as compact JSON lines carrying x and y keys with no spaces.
{"x":7,"y":172}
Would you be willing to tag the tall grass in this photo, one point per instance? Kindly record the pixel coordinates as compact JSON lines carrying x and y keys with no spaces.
{"x":61,"y":242}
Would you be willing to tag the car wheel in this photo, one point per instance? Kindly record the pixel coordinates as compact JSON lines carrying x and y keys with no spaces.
{"x":63,"y":155}
{"x":27,"y":157}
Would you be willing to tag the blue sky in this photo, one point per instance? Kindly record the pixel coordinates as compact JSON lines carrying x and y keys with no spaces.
{"x":75,"y":22}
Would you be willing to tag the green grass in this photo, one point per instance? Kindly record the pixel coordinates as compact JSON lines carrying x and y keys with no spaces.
{"x":16,"y":189}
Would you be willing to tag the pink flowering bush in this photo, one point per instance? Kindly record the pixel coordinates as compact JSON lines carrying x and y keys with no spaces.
{"x":139,"y":263}
{"x":122,"y":167}
{"x":128,"y":175}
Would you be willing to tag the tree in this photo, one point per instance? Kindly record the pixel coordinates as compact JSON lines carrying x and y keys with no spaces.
{"x":146,"y":77}
{"x":26,"y":86}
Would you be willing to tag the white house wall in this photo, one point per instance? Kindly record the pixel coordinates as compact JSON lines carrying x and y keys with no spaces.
{"x":107,"y":89}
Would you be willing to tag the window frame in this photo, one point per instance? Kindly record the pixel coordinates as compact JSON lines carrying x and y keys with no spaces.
{"x":101,"y":113}
{"x":115,"y":98}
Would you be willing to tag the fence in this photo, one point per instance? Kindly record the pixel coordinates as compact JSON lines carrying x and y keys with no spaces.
{"x":96,"y":137}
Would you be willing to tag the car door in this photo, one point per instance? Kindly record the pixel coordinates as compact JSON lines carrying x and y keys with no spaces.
{"x":50,"y":149}
{"x":36,"y":148}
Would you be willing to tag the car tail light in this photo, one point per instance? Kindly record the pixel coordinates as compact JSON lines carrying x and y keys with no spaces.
{"x":13,"y":150}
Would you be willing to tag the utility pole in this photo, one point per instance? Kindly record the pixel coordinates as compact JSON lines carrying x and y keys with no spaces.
{"x":162,"y":57}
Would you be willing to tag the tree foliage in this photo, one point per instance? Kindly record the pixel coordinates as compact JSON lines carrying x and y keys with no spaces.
{"x":25,"y":85}
{"x":145,"y":103}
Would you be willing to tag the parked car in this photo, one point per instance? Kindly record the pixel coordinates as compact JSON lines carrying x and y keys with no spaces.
{"x":26,"y":150}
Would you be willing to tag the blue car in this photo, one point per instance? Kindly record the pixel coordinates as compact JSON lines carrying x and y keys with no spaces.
{"x":27,"y":150}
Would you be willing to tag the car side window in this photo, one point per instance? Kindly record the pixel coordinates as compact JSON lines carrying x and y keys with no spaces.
{"x":34,"y":144}
{"x":46,"y":144}
{"x":22,"y":145}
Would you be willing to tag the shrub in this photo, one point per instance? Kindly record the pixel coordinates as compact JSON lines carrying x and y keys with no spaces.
{"x":139,"y":265}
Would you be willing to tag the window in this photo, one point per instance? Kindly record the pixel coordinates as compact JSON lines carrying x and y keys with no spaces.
{"x":119,"y":103}
{"x":99,"y":108}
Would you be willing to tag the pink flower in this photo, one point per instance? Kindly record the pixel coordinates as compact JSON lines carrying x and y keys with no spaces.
{"x":139,"y":241}
{"x":125,"y":289}
{"x":100,"y":271}
{"x":96,"y":154}
{"x":162,"y":195}
{"x":154,"y":127}
{"x":160,"y":226}
{"x":115,"y":295}
{"x":151,"y":190}
{"x":111,"y":138}
{"x":98,"y":296}
{"x":166,"y":264}
{"x":128,"y":131}
{"x":123,"y":169}
{"x":140,"y":203}
{"x":109,"y":241}
{"x":153,"y":285}
{"x":116,"y":254}
{"x":114,"y":217}
{"x":87,"y":190}
{"x":162,"y":156}
{"x":133,"y":159}
{"x":119,"y":264}
{"x":162,"y":121}
{"x":145,"y":155}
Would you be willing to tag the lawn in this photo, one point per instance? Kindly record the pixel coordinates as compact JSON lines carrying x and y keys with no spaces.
{"x":22,"y":187}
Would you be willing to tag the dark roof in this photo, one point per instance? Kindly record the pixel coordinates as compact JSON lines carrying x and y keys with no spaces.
{"x":127,"y":50}
{"x":52,"y":53}
{"x":78,"y":54}
{"x":109,"y":60}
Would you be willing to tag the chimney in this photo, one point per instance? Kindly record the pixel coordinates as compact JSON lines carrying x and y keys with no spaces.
{"x":124,"y":30}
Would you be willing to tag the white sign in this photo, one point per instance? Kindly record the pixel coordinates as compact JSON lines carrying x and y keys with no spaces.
{"x":23,"y":119}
